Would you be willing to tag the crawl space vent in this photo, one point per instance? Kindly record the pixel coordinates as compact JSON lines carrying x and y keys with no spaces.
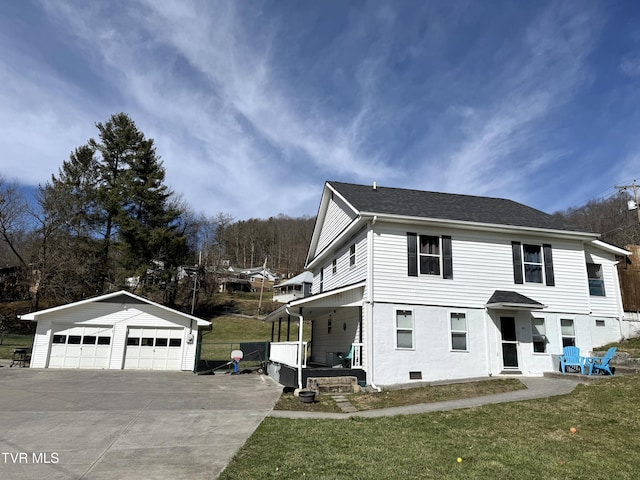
{"x":415,"y":375}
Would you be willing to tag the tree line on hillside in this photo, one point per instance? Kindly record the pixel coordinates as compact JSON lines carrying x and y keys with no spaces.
{"x":611,"y":217}
{"x":107,"y":216}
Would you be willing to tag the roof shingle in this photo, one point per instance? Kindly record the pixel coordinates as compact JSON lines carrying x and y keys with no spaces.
{"x":448,"y":206}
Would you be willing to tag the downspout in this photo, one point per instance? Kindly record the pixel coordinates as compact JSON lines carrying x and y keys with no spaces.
{"x":369,"y":302}
{"x":300,"y":349}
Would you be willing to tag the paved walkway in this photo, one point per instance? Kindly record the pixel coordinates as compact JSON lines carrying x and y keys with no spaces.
{"x":537,"y":387}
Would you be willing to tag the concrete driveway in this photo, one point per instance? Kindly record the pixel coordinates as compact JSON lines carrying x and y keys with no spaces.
{"x":95,"y":424}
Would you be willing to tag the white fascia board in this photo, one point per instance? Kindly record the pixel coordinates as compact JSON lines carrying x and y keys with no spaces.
{"x":33,"y":316}
{"x":610,"y":248}
{"x":514,"y":306}
{"x":321,"y":215}
{"x":300,"y":302}
{"x":488,"y":227}
{"x":346,"y":233}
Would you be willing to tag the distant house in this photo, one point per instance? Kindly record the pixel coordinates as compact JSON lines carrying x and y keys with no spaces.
{"x":294,"y":288}
{"x":430,"y":286}
{"x":116,"y":331}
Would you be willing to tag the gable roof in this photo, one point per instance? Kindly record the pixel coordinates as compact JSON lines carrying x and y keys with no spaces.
{"x":121,"y":296}
{"x":365,"y":199}
{"x":304,"y":277}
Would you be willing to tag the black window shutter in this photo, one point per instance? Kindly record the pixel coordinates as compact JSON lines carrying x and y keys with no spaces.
{"x":412,"y":254}
{"x":517,"y":262}
{"x":548,"y":265}
{"x":447,"y":258}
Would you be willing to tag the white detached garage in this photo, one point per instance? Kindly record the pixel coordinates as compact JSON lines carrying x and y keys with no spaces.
{"x":115,"y":331}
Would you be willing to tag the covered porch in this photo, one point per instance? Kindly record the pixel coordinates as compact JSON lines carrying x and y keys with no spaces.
{"x":336,"y":346}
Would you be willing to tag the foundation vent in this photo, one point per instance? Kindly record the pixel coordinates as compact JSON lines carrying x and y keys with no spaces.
{"x":415,"y":375}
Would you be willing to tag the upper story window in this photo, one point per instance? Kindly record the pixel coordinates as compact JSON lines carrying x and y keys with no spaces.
{"x":532,"y":263}
{"x":334,"y":266}
{"x":429,"y":255}
{"x":596,"y":282}
{"x":321,"y":280}
{"x":352,"y":255}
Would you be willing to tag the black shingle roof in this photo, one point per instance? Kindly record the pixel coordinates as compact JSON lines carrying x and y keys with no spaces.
{"x":507,"y":296}
{"x":447,"y":206}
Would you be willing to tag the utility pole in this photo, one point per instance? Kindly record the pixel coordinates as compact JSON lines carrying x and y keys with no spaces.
{"x":635,"y":187}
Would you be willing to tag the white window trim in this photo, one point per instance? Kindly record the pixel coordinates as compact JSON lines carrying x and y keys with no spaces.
{"x":546,"y":336}
{"x":395,"y":328}
{"x":451,"y":332}
{"x":439,"y":255}
{"x":352,"y":256}
{"x":525,"y":263}
{"x":562,"y":336}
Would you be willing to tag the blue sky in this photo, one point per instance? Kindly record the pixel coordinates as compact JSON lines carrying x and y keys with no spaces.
{"x":254,"y":104}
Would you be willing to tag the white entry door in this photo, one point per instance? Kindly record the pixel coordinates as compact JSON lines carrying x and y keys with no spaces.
{"x":154,"y":349}
{"x":80,"y":347}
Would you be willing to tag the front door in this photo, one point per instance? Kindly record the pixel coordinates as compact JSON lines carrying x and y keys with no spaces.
{"x":509,"y":343}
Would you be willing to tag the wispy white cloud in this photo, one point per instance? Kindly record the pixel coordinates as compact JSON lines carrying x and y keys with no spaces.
{"x":253,"y":105}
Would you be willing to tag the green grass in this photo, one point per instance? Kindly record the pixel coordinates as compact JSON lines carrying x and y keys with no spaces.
{"x":522,"y":440}
{"x":631,"y":345}
{"x":12,"y":342}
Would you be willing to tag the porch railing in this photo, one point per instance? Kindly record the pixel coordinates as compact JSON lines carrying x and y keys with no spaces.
{"x":287,"y":353}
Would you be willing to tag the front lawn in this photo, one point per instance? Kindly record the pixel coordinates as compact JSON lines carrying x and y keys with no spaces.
{"x":530,"y":439}
{"x":11,"y":342}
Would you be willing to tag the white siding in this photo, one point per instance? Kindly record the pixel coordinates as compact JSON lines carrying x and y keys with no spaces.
{"x":344,"y":331}
{"x":482,"y":263}
{"x":604,"y":306}
{"x":121,"y":316}
{"x":337,"y":218}
{"x":346,"y":274}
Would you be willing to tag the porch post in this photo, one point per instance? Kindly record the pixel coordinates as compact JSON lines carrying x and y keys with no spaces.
{"x":300,"y":347}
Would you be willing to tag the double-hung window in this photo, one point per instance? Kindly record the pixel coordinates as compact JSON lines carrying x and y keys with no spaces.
{"x":404,"y":329}
{"x":538,"y":335}
{"x":352,"y":255}
{"x":458,"y":324}
{"x":568,"y":332}
{"x":429,"y":255}
{"x":596,"y":282}
{"x":532,"y":263}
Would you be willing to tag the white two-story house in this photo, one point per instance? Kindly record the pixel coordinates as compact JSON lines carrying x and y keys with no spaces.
{"x":424,"y":286}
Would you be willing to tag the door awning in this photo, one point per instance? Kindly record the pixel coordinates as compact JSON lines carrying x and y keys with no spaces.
{"x":509,"y":300}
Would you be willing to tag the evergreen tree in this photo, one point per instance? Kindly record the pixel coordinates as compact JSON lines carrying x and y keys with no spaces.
{"x":111,"y":195}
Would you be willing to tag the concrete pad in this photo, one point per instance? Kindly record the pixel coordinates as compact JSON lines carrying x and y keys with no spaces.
{"x":98,"y":424}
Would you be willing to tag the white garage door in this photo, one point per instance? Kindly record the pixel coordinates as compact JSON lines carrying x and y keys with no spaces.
{"x":154,"y":349}
{"x":80,"y":347}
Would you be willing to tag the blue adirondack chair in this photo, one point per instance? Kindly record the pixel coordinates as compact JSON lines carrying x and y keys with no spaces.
{"x":571,"y":358}
{"x":601,"y":365}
